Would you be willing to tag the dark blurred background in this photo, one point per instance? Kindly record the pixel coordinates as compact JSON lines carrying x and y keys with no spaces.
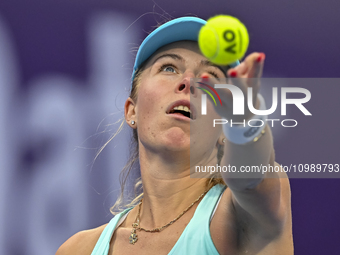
{"x":65,"y":69}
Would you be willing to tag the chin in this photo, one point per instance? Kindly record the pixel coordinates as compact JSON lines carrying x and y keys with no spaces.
{"x":177,"y":136}
{"x":176,"y":145}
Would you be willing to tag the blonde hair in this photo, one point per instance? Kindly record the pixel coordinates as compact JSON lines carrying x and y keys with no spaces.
{"x":133,"y":161}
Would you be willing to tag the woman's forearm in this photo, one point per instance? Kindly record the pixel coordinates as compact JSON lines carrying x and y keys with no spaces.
{"x":246,"y":162}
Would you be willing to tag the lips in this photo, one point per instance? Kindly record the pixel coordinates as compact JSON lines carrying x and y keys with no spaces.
{"x":182,"y":108}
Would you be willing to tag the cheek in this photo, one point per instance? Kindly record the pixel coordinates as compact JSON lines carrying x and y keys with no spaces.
{"x":147,"y":101}
{"x":151,"y":105}
{"x":151,"y":95}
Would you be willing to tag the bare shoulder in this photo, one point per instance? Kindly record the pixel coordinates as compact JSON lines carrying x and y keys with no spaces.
{"x":82,"y":242}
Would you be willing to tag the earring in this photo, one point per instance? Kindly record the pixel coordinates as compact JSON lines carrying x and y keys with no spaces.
{"x":132,"y":122}
{"x":223,"y":140}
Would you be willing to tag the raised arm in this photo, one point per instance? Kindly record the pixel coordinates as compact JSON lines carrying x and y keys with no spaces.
{"x":260,"y":199}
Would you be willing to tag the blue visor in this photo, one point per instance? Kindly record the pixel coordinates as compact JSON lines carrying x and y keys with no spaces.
{"x":180,"y":29}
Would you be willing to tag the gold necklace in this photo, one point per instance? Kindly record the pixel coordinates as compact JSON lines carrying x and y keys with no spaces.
{"x":136,"y":225}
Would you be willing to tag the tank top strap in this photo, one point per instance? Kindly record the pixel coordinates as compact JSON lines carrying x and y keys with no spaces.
{"x":196,"y":238}
{"x":207,"y":205}
{"x":103,"y":244}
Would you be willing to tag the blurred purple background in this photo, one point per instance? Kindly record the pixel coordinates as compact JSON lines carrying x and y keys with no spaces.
{"x":65,"y":70}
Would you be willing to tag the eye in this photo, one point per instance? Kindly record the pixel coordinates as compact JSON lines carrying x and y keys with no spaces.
{"x":168,"y":68}
{"x":214,"y":74}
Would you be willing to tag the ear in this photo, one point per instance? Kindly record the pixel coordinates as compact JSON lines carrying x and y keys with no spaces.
{"x":130,"y":112}
{"x":221,"y":140}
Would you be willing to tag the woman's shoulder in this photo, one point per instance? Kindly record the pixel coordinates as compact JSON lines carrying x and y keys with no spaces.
{"x":82,"y":242}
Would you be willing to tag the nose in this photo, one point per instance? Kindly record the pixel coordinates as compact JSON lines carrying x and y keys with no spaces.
{"x":186,"y":84}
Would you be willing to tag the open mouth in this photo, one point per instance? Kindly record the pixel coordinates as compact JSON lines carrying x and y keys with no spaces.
{"x":182,"y":110}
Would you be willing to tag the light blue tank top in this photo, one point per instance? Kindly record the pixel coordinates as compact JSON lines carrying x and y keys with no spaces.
{"x":195,"y":239}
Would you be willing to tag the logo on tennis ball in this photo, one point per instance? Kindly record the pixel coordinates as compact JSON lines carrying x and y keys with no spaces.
{"x":229,"y":36}
{"x":223,"y":39}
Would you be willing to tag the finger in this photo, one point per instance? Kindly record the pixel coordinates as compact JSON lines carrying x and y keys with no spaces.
{"x":248,"y":73}
{"x":254,"y":63}
{"x":236,"y":79}
{"x":245,"y":67}
{"x":241,"y":69}
{"x":255,"y":73}
{"x":259,"y":65}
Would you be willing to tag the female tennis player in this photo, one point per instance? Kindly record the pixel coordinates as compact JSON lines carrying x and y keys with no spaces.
{"x":231,"y":213}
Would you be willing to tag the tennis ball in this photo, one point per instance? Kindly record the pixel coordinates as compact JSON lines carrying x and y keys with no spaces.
{"x":223,"y":39}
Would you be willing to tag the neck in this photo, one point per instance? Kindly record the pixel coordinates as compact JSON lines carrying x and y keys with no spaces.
{"x":168,"y":189}
{"x":157,"y":211}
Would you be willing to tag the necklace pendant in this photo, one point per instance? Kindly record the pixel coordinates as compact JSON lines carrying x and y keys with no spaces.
{"x":133,"y":237}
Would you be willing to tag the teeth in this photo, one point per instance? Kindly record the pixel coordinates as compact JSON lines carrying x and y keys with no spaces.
{"x":182,"y":108}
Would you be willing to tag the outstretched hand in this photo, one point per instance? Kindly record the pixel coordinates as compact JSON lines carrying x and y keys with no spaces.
{"x":245,"y":75}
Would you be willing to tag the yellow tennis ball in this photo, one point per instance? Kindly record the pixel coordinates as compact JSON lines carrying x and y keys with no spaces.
{"x":223,"y":39}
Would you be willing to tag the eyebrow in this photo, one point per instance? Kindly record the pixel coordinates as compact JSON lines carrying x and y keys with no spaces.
{"x":171,"y":55}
